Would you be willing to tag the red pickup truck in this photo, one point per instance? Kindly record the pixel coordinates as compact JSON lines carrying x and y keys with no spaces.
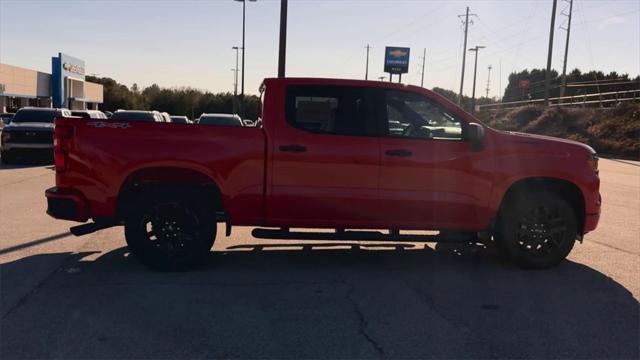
{"x":326,"y":153}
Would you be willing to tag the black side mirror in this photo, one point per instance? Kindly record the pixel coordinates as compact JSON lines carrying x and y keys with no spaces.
{"x":475,"y":136}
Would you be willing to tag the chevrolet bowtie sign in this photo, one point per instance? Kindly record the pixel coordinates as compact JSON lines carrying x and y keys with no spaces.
{"x":73,"y":68}
{"x":396,"y":60}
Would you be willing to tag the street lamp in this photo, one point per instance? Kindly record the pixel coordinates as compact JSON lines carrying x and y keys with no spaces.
{"x":475,"y":68}
{"x":244,"y":3}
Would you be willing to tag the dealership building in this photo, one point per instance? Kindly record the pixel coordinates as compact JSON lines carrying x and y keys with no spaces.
{"x":65,"y":87}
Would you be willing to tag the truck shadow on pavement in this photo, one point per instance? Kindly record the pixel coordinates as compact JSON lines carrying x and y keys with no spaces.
{"x":269,"y":303}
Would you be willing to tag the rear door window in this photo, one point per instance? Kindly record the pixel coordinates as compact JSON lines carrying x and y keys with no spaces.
{"x":338,"y":110}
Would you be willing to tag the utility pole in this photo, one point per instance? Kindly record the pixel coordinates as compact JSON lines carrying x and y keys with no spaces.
{"x":424,"y":57}
{"x":235,"y":77}
{"x":500,"y":80}
{"x":464,"y":50}
{"x":547,"y":76}
{"x":475,"y":68}
{"x":566,"y":50}
{"x":366,"y":71}
{"x":244,"y":6}
{"x":488,"y":81}
{"x":283,"y":38}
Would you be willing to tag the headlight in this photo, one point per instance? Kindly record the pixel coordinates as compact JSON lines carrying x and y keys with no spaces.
{"x":592,"y":160}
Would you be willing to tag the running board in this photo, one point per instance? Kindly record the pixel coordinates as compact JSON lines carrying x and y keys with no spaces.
{"x":353,"y":235}
{"x":89,"y":228}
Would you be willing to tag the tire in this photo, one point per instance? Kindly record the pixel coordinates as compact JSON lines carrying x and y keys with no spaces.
{"x":170,"y":229}
{"x":7,"y":157}
{"x":537,"y":229}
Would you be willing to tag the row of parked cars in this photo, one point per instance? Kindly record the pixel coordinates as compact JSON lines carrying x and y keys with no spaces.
{"x":29,"y":132}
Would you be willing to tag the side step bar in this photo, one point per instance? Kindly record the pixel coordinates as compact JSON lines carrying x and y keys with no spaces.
{"x":89,"y":228}
{"x":352,"y":235}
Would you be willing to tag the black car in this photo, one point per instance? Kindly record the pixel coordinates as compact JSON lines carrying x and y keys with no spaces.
{"x":219,"y":119}
{"x":179,"y":119}
{"x":30,"y":132}
{"x":137,"y":115}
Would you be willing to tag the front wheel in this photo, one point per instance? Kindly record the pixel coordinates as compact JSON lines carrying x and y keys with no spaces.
{"x":537,"y":229}
{"x":170,"y":230}
{"x":7,"y":157}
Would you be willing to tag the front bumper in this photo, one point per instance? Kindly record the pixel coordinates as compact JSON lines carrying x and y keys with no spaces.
{"x":66,"y":204}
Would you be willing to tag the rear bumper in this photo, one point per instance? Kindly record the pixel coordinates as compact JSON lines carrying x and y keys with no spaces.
{"x":66,"y":204}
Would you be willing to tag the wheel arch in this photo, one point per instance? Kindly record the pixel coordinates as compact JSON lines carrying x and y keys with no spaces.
{"x":564,"y":188}
{"x":162,"y":177}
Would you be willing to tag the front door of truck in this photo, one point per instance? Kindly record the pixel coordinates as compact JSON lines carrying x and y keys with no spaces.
{"x":429,"y":176}
{"x":325,"y":159}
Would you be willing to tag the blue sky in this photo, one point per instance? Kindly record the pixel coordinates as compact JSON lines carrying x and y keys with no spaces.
{"x":188,"y":43}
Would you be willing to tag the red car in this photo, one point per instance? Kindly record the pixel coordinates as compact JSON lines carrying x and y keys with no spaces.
{"x":339,"y":154}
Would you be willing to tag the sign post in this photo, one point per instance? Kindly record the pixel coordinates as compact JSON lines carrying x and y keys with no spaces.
{"x":396,"y":61}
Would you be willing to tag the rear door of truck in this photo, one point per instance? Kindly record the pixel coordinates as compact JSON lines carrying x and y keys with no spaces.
{"x":325,"y":157}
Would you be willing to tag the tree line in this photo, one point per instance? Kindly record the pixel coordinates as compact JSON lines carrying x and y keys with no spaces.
{"x":176,"y":101}
{"x":193,"y":102}
{"x":578,"y":83}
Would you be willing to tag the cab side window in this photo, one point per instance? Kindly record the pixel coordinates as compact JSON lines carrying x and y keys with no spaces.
{"x":412,"y":115}
{"x":337,"y":110}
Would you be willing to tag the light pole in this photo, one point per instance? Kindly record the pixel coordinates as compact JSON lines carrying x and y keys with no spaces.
{"x":475,"y":69}
{"x":244,"y":3}
{"x":235,"y":77}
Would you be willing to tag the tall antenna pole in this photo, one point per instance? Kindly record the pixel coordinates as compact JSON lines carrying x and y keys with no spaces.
{"x":464,"y":51}
{"x":488,"y":81}
{"x":366,"y":72}
{"x":566,"y":50}
{"x":547,"y":76}
{"x":424,"y":57}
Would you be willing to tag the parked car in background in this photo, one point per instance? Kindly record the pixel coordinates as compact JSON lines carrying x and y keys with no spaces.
{"x":220,"y":119}
{"x":30,"y":132}
{"x":137,"y":115}
{"x":89,"y":114}
{"x":179,"y":119}
{"x":5,"y":118}
{"x":166,"y":117}
{"x":248,"y":122}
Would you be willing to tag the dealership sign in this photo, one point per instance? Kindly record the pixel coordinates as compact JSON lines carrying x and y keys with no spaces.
{"x":78,"y":69}
{"x":396,"y":60}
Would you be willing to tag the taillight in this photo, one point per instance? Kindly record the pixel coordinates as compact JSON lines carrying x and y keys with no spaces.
{"x":61,"y":142}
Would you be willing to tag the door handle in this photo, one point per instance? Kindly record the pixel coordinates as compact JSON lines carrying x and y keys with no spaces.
{"x":398,"y":152}
{"x":292,"y":148}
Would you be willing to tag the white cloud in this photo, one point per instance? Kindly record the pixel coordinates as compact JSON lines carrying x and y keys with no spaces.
{"x":612,"y":21}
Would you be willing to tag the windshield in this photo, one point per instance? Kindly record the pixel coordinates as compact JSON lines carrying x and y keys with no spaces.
{"x":133,"y":116}
{"x":219,"y":120}
{"x":37,"y":116}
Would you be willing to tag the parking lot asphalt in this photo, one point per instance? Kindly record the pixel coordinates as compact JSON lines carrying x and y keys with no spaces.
{"x":85,"y":297}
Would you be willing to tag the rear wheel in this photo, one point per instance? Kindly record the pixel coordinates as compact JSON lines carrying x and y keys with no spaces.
{"x":537,"y":229}
{"x":170,"y":230}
